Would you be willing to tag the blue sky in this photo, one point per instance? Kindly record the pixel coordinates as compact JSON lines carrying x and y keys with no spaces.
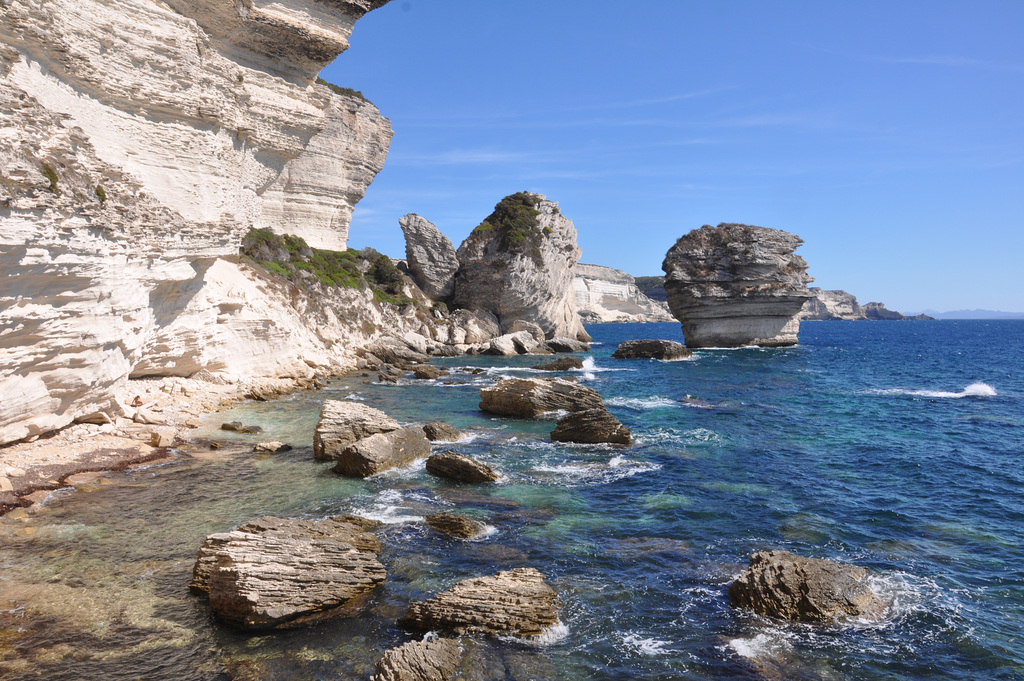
{"x":889,"y":135}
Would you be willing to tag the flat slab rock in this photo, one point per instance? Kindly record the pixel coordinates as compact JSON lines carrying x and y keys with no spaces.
{"x":343,"y":423}
{"x":455,"y":466}
{"x":516,"y":602}
{"x":591,"y":426}
{"x":529,"y":397}
{"x":382,"y":452}
{"x":276,"y":573}
{"x":784,"y":585}
{"x":433,"y":660}
{"x":652,"y":349}
{"x":561,"y":364}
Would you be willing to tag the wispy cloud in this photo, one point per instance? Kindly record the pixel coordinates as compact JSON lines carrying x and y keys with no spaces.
{"x":951,"y":61}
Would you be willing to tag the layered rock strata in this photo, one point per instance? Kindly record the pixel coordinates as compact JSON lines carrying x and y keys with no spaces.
{"x":434,"y":659}
{"x":276,"y":573}
{"x":437,"y":431}
{"x":456,"y":525}
{"x":735,"y":285}
{"x":383,"y":451}
{"x":604,"y":294}
{"x":519,"y":265}
{"x":431,"y":257}
{"x":455,"y":466}
{"x":830,"y":305}
{"x":516,"y":602}
{"x":139,"y":142}
{"x":781,"y":584}
{"x":530,"y":397}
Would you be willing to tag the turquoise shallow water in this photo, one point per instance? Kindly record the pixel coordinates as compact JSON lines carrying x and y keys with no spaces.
{"x":893,"y":445}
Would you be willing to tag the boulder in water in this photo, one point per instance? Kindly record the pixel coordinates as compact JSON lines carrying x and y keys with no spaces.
{"x":563,"y":344}
{"x":561,"y":364}
{"x":383,"y":451}
{"x":427,"y":660}
{"x":455,"y":466}
{"x":456,"y":525}
{"x":516,"y":602}
{"x":529,"y":397}
{"x":781,"y":584}
{"x":591,"y":426}
{"x":652,"y":349}
{"x":437,"y":431}
{"x":342,"y":423}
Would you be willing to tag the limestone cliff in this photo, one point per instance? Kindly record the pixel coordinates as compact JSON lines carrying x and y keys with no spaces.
{"x":139,"y":142}
{"x":735,"y":285}
{"x":431,"y":257}
{"x":829,"y":305}
{"x":518,"y":264}
{"x":604,"y":294}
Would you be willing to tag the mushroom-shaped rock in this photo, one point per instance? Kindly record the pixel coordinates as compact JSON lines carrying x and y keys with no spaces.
{"x":516,"y":602}
{"x":455,"y":466}
{"x":342,"y":423}
{"x":561,"y":364}
{"x":652,"y":349}
{"x":277,"y":573}
{"x":591,"y":426}
{"x":427,"y":660}
{"x":529,"y":397}
{"x":431,"y":256}
{"x":437,"y":431}
{"x":736,"y":285}
{"x":383,"y":451}
{"x":781,"y":584}
{"x":456,"y":525}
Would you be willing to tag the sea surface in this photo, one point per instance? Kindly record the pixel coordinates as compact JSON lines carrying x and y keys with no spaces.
{"x":898,"y":446}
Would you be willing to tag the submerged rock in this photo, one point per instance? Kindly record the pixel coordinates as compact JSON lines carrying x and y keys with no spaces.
{"x":427,"y":660}
{"x":383,"y":451}
{"x":529,"y":397}
{"x":456,"y":525}
{"x":428,"y":372}
{"x":562,"y":344}
{"x":591,"y":426}
{"x":516,"y":602}
{"x":735,"y":285}
{"x":271,"y":447}
{"x":431,"y":257}
{"x":279,"y":573}
{"x":343,"y":423}
{"x":781,"y":584}
{"x":437,"y":431}
{"x":455,"y":466}
{"x":561,"y":364}
{"x":518,"y":264}
{"x":652,"y":349}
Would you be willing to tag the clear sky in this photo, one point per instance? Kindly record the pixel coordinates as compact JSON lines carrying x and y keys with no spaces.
{"x":888,"y":135}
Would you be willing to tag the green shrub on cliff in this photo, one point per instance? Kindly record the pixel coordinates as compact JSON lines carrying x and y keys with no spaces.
{"x":338,"y":90}
{"x":291,"y":257}
{"x":515,"y":221}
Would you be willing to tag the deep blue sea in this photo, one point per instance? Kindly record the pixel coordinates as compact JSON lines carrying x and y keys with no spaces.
{"x":898,"y":446}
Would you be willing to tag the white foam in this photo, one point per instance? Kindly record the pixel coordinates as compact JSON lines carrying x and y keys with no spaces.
{"x":388,"y":509}
{"x":977,"y":389}
{"x":356,"y":397}
{"x":556,"y":633}
{"x":761,"y":645}
{"x":646,"y":646}
{"x":643,"y":403}
{"x":596,"y":473}
{"x":697,"y":436}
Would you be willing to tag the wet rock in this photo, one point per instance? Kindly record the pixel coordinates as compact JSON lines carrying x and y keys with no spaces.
{"x":781,"y":584}
{"x":237,"y":427}
{"x":343,"y":423}
{"x":561,"y":364}
{"x":382,"y":452}
{"x":427,"y":372}
{"x":591,"y":426}
{"x":271,"y":447}
{"x":427,"y":660}
{"x":652,"y":349}
{"x":516,"y":602}
{"x":279,"y":573}
{"x":529,"y":397}
{"x":563,"y":344}
{"x":456,"y":525}
{"x":437,"y":431}
{"x":455,"y":466}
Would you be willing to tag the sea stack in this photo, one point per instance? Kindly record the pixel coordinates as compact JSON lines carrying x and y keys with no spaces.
{"x":736,"y":285}
{"x":519,"y":264}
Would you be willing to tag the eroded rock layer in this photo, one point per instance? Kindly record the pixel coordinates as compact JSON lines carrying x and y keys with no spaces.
{"x":139,"y":141}
{"x":735,"y":285}
{"x":604,"y":294}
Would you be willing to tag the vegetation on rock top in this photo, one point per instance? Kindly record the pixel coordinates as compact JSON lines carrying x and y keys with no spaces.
{"x":514,"y":221}
{"x":291,"y":257}
{"x":345,"y":91}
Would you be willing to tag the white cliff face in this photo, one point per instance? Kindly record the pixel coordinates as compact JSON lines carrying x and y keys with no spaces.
{"x":604,"y":294}
{"x":829,"y":305}
{"x":139,"y":142}
{"x":522,"y":268}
